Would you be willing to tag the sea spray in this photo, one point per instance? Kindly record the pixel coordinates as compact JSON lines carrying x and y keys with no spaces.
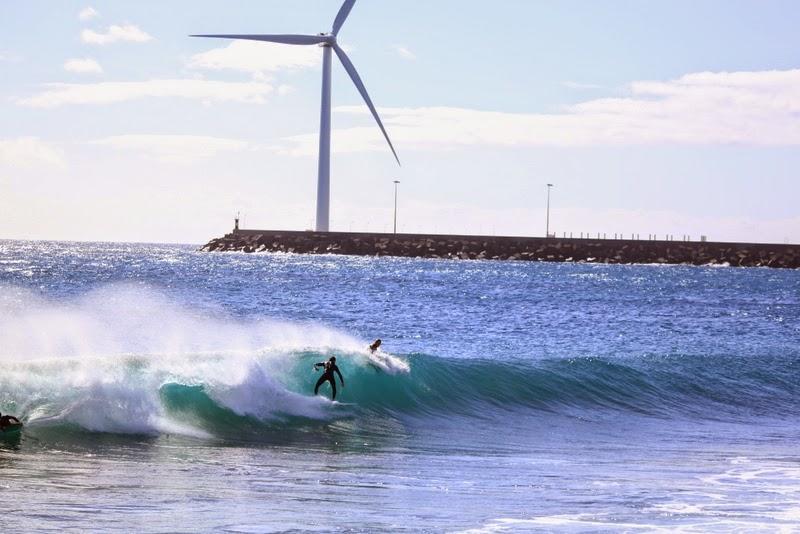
{"x":124,"y":319}
{"x":101,"y":361}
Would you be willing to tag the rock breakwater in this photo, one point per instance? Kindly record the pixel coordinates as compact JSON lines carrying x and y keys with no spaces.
{"x":510,"y":248}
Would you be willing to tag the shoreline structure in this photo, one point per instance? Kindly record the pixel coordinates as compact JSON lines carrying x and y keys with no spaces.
{"x":472,"y":247}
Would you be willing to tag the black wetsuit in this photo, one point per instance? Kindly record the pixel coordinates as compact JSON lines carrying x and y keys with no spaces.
{"x":6,"y":421}
{"x":330,"y":368}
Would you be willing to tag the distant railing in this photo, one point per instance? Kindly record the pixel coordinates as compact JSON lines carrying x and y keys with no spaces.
{"x":633,"y":236}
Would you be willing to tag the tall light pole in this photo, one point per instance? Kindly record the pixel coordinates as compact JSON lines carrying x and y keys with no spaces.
{"x":547,"y":227}
{"x":395,"y":205}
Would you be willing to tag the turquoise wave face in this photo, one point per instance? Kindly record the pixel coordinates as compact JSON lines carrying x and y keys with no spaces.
{"x":673,"y":386}
{"x":151,"y":398}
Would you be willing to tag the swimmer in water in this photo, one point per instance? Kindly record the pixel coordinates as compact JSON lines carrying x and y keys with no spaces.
{"x":7,"y":420}
{"x":330,"y":367}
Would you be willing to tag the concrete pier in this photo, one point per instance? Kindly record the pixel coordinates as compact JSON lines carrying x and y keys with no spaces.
{"x":466,"y":247}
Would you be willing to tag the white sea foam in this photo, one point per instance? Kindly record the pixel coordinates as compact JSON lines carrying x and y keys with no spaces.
{"x":263,"y":397}
{"x":547,"y":523}
{"x":386,"y":362}
{"x":609,"y":523}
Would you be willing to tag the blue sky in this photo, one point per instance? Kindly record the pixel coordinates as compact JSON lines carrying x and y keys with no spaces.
{"x":673,"y":117}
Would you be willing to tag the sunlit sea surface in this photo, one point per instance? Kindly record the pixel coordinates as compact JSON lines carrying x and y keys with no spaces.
{"x":167,"y":390}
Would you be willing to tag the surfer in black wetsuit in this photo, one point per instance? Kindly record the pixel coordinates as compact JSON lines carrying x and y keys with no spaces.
{"x":6,"y":420}
{"x":375,"y":345}
{"x":330,"y":368}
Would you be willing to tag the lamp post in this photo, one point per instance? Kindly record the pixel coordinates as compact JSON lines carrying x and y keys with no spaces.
{"x":395,"y":205}
{"x":547,"y":227}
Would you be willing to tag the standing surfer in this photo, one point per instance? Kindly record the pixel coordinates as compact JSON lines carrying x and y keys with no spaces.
{"x":375,"y":345}
{"x":329,"y":367}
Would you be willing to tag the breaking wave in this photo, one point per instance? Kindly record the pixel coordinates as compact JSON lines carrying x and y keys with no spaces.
{"x":130,"y":361}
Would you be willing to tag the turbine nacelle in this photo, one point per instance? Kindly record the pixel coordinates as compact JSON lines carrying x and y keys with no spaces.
{"x":330,"y":39}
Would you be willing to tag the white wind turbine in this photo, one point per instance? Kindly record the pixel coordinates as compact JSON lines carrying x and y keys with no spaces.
{"x":328,"y":42}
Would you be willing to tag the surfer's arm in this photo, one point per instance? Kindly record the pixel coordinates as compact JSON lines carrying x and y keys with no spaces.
{"x":340,"y":375}
{"x":319,"y":364}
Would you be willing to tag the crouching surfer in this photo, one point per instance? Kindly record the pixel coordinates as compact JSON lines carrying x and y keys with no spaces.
{"x":8,"y":420}
{"x":375,"y":345}
{"x":329,"y":368}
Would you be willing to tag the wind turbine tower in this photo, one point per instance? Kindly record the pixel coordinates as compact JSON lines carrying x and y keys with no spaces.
{"x":329,"y":45}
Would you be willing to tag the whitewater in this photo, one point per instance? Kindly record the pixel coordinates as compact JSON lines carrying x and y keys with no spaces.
{"x":164,"y":389}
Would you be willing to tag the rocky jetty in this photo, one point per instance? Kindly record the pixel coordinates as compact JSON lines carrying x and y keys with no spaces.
{"x":510,"y":248}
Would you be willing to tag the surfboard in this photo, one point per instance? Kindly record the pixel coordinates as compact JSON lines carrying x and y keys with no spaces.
{"x":383,"y":362}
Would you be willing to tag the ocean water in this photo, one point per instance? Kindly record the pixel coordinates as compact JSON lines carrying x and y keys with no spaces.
{"x":166,"y":390}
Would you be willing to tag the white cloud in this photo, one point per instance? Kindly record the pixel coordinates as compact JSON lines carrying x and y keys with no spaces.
{"x":61,"y":94}
{"x":750,"y":108}
{"x":257,"y":57}
{"x":126,"y":33}
{"x":578,"y":85}
{"x":175,"y":148}
{"x":26,"y":152}
{"x":404,"y":52}
{"x":83,"y":66}
{"x":9,"y":57}
{"x":88,"y":13}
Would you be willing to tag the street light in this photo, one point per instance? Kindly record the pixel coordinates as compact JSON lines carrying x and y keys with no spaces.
{"x":395,"y":205}
{"x":547,"y":227}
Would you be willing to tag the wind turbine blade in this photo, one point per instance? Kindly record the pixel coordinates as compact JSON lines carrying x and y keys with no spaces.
{"x":351,"y":70}
{"x":283,"y":39}
{"x":342,"y":15}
